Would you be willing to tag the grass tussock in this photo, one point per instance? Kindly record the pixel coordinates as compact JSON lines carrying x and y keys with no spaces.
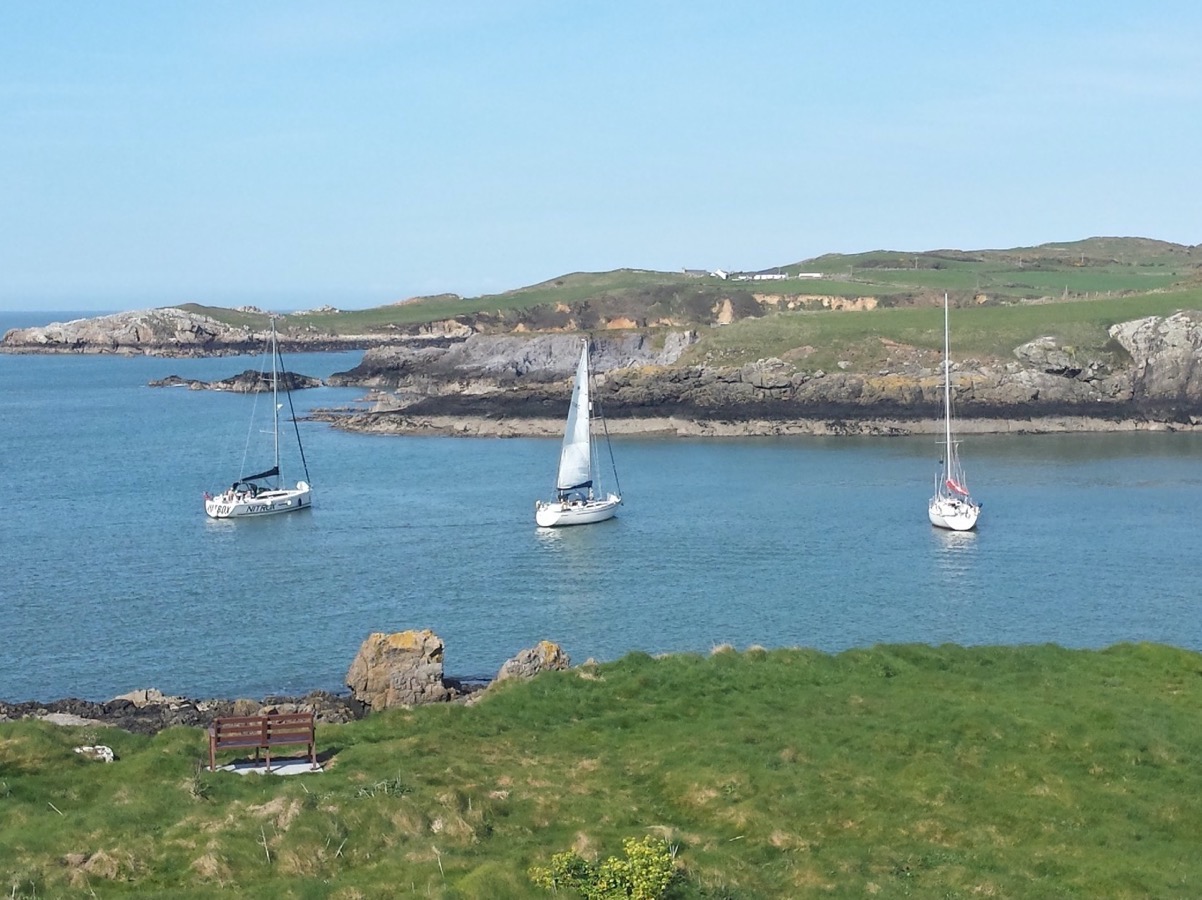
{"x":890,"y":771}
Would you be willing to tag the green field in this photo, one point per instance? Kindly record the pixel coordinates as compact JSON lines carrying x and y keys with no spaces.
{"x":984,"y":332}
{"x":894,"y":771}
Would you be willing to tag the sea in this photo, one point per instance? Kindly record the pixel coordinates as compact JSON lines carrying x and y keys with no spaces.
{"x":113,"y":579}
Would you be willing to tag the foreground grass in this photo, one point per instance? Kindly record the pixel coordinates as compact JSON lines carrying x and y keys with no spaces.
{"x":895,"y":771}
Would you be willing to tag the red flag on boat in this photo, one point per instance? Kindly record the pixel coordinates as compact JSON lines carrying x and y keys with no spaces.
{"x":951,"y":483}
{"x":208,"y":496}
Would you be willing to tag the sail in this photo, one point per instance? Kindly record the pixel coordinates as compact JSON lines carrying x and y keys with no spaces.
{"x":575,"y":467}
{"x":270,"y":473}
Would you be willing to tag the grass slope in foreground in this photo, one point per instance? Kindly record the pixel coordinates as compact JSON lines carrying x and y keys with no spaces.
{"x":900,"y":770}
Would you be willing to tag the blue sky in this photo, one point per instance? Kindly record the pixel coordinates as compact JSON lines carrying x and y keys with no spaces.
{"x":358,"y":153}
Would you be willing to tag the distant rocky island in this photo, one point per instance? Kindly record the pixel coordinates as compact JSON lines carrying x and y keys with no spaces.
{"x":450,"y":377}
{"x":250,"y":381}
{"x":171,"y":332}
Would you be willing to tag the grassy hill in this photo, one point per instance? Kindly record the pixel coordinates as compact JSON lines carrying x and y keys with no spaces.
{"x":893,"y":771}
{"x":1072,"y":291}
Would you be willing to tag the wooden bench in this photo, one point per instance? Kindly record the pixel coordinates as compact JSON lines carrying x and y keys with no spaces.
{"x":262,"y":733}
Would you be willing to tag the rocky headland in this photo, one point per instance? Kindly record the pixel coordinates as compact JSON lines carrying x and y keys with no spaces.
{"x":1150,"y":377}
{"x":467,"y":376}
{"x":173,"y":332}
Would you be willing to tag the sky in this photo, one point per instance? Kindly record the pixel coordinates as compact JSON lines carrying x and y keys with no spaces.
{"x":353,"y":153}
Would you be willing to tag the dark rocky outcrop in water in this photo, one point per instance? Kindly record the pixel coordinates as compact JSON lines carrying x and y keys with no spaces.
{"x":248,"y":382}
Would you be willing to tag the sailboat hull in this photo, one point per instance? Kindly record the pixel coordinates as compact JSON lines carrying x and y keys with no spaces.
{"x":956,"y":515}
{"x":555,"y":513}
{"x":264,"y":503}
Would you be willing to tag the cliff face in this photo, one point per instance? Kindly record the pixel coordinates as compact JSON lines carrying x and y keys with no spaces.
{"x":484,"y":362}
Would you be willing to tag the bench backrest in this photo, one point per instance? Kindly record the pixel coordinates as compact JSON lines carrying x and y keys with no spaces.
{"x":290,"y":728}
{"x":278,"y":728}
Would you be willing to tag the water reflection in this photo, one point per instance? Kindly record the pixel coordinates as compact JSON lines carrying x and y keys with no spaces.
{"x":955,"y":551}
{"x":573,"y":539}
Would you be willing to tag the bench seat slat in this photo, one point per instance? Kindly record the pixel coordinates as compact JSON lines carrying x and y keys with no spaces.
{"x":239,"y":742}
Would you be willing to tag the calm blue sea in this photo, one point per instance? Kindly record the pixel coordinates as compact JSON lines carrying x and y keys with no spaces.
{"x":114,"y":579}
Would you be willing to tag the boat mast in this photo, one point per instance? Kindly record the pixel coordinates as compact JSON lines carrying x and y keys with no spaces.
{"x":275,"y":401}
{"x":592,"y":437}
{"x":947,"y":393}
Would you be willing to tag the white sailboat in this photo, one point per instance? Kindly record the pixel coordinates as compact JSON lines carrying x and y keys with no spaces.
{"x":579,"y":500}
{"x":264,"y":493}
{"x":951,"y":506}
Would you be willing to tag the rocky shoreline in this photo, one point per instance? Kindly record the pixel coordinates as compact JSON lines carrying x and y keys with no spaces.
{"x":400,"y":669}
{"x":454,"y":380}
{"x":471,"y":426}
{"x":490,"y":385}
{"x":149,"y":711}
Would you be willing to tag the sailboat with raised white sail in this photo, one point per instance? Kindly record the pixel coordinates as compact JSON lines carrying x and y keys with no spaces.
{"x":952,"y":506}
{"x":579,"y":499}
{"x":264,"y":493}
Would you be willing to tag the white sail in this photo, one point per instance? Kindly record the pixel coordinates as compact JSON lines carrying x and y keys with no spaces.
{"x":579,"y":500}
{"x":575,"y":464}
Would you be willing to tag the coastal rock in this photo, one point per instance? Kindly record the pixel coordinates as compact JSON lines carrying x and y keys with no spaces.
{"x":246,"y":707}
{"x":1046,"y":354}
{"x":144,"y":697}
{"x":767,"y":374}
{"x":400,"y":669}
{"x":446,"y":328}
{"x":544,"y":657}
{"x":1166,"y":356}
{"x":58,"y":718}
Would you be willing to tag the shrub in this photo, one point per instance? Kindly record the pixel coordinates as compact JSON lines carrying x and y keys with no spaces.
{"x":644,"y":873}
